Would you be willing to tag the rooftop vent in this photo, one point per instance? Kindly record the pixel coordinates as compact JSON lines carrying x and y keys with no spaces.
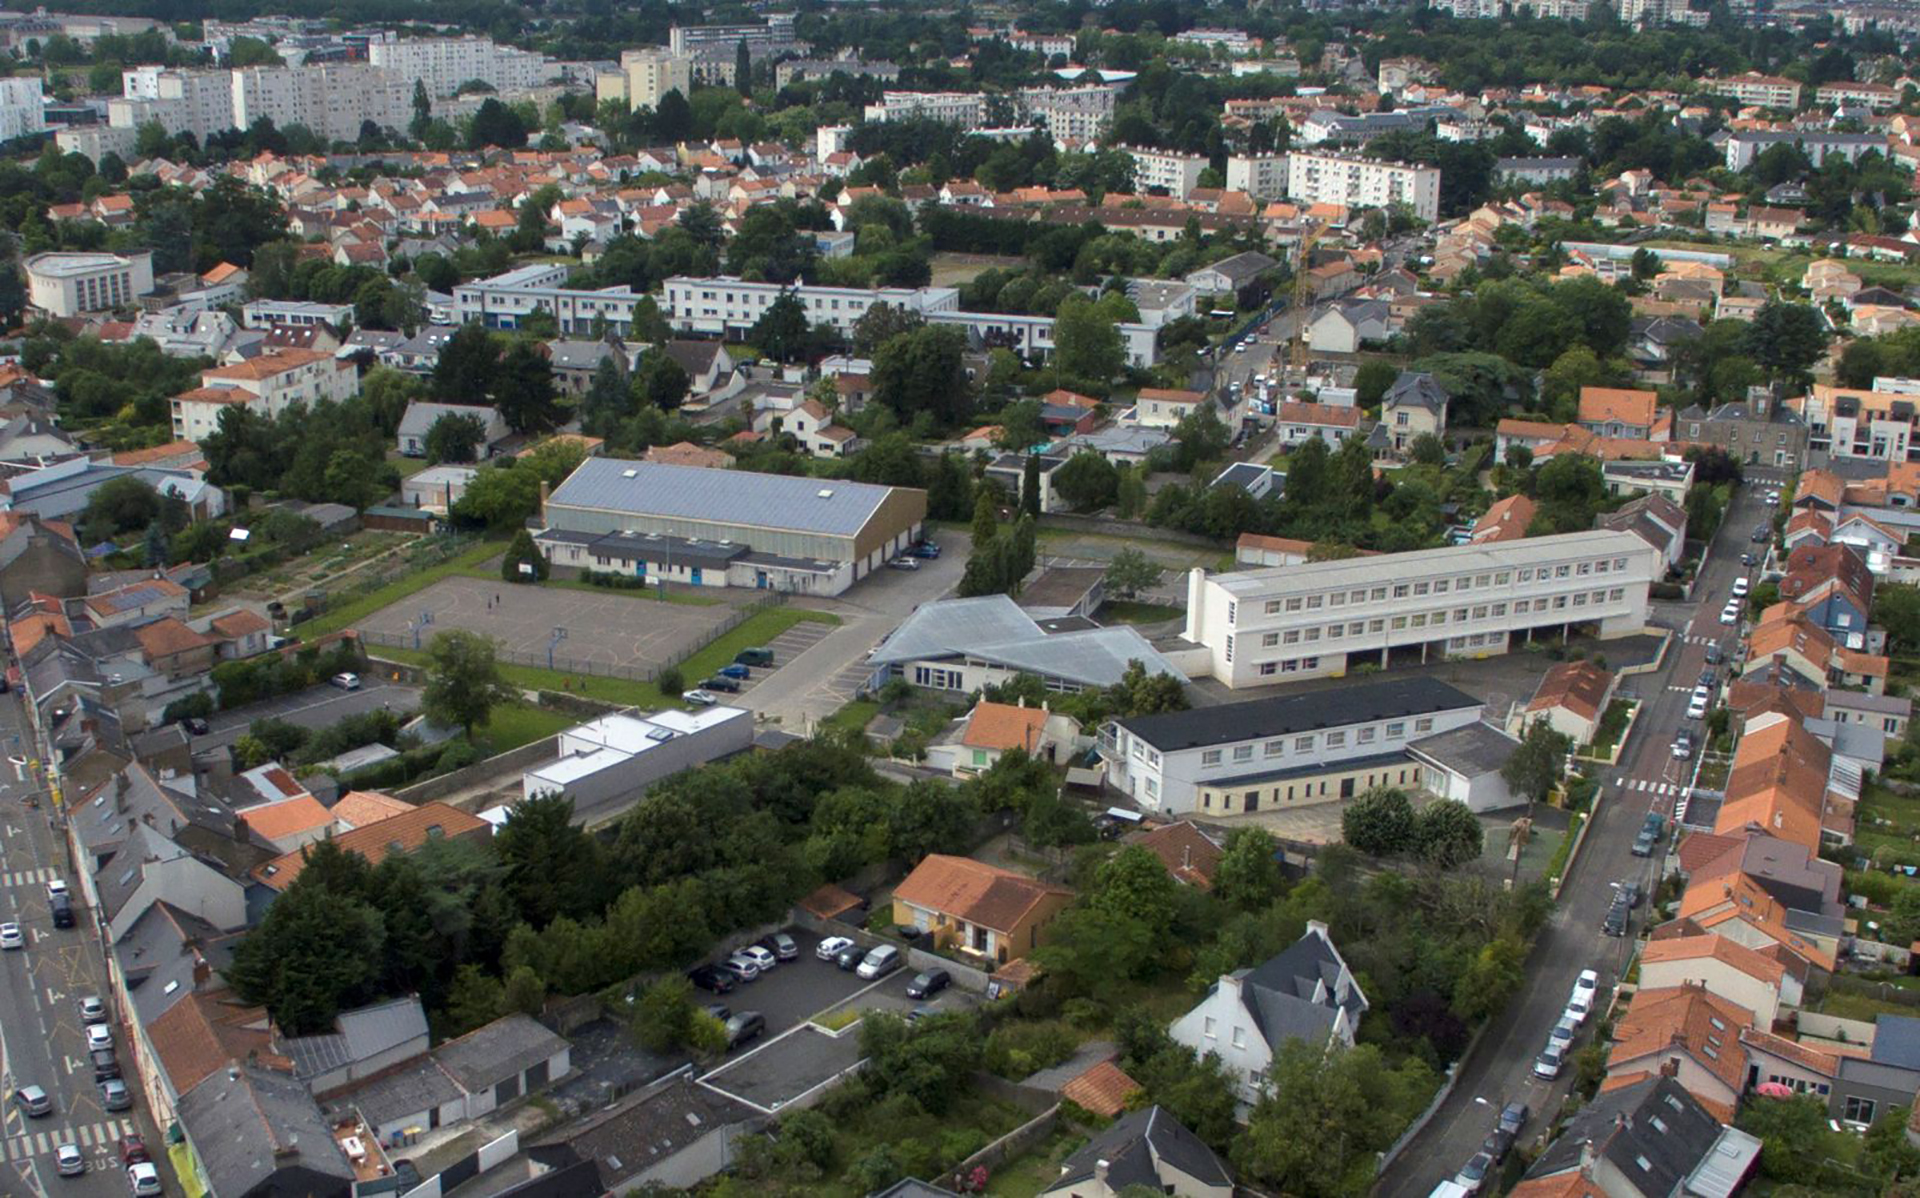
{"x":629,"y":474}
{"x":825,"y":493}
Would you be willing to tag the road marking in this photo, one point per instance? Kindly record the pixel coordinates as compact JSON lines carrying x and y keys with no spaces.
{"x":100,"y":1136}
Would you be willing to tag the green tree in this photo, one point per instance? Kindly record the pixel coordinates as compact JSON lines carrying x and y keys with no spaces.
{"x":464,"y":683}
{"x":986,"y":523}
{"x":1492,"y":979}
{"x":661,"y":381}
{"x":1087,"y":481}
{"x":782,"y":332}
{"x":1371,"y":381}
{"x":455,"y":437}
{"x":1785,"y":339}
{"x":922,"y":371}
{"x":476,"y":998}
{"x":523,"y":390}
{"x":1130,"y":571}
{"x":422,"y":110}
{"x":607,"y":401}
{"x":1030,"y":487}
{"x":1325,"y":1115}
{"x":663,"y":1018}
{"x":1380,"y":822}
{"x":1537,"y":766}
{"x":496,"y":124}
{"x":523,"y":561}
{"x":315,"y":953}
{"x":1248,"y":876}
{"x":1447,"y":835}
{"x":468,"y":364}
{"x":1087,"y":347}
{"x":1793,"y":1136}
{"x":500,"y":495}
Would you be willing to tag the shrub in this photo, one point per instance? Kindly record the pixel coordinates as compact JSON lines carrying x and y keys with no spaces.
{"x":670,"y":681}
{"x":1017,"y":1050}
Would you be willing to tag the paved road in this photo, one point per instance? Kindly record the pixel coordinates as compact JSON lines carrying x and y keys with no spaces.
{"x":315,"y":707}
{"x":818,"y":682}
{"x":1500,"y":1069}
{"x":41,"y":1038}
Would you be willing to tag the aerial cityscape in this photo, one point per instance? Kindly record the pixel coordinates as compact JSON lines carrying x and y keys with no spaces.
{"x":880,"y":600}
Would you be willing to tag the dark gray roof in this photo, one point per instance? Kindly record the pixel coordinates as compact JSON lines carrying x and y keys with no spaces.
{"x":644,"y":1130}
{"x":1295,"y":994}
{"x":1240,"y":268}
{"x":1283,"y":715}
{"x":832,"y":507}
{"x":417,"y":1086}
{"x":362,"y":1034}
{"x":421,"y":416}
{"x":1653,"y":1131}
{"x":1133,"y":1148}
{"x":506,"y":1047}
{"x":1416,"y":388}
{"x":1473,"y":750}
{"x":103,"y":820}
{"x":157,"y":956}
{"x":994,"y":629}
{"x":913,"y":1187}
{"x":249,"y":1124}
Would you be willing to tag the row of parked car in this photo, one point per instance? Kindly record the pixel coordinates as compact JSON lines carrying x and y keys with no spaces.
{"x":727,"y":679}
{"x":747,"y":964}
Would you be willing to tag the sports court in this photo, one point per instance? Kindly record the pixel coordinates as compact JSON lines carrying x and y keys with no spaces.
{"x":603,"y":633}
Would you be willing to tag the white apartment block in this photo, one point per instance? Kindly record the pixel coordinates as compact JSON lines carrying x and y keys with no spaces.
{"x":22,"y":107}
{"x":1321,"y":619}
{"x":1556,"y":10}
{"x":1235,"y":40}
{"x":967,"y":110}
{"x":1877,"y":96}
{"x":1849,"y":422}
{"x":268,"y":384}
{"x":94,"y":142}
{"x":1262,"y":176}
{"x":1648,"y":13}
{"x":266,"y":313}
{"x":504,"y":300}
{"x":444,"y":63}
{"x":1048,"y":44}
{"x":1743,"y":147}
{"x":63,"y":284}
{"x":1241,"y":757}
{"x":646,"y":75}
{"x":1767,"y":91}
{"x":1468,"y":10}
{"x":776,"y":31}
{"x":1080,"y":113}
{"x":723,"y":306}
{"x":1320,"y":178}
{"x":196,"y":102}
{"x":1175,"y":173}
{"x":332,"y":99}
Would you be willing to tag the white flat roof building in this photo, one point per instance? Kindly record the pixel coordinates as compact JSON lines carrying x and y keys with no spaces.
{"x":1322,"y":618}
{"x":1357,"y":182}
{"x":444,"y":63}
{"x":608,"y":763}
{"x":1170,"y":171}
{"x":504,"y":300}
{"x":69,"y":283}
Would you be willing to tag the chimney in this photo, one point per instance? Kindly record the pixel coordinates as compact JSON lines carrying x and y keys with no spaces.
{"x":1315,"y":925}
{"x":1186,"y":856}
{"x":545,"y":490}
{"x":1670,"y":1067}
{"x":1586,"y":1155}
{"x":202,"y":972}
{"x":1100,"y":1172}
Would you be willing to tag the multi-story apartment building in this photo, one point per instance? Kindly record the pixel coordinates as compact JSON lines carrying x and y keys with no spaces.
{"x":1467,"y":10}
{"x":1849,"y":422}
{"x":777,"y":30}
{"x":1556,"y":10}
{"x":504,"y":300}
{"x":728,"y":307}
{"x":645,"y":76}
{"x":95,"y":142}
{"x":333,"y":99}
{"x":967,"y":110}
{"x":1877,"y":96}
{"x":1048,"y":44}
{"x":183,"y":101}
{"x":1323,"y":618}
{"x":266,"y":313}
{"x":1652,"y":13}
{"x":1358,"y":182}
{"x":1262,"y":176}
{"x":1751,"y":87}
{"x":1170,"y":171}
{"x":1235,"y":41}
{"x":268,"y":384}
{"x":63,"y":284}
{"x":1758,"y":432}
{"x":1080,"y":113}
{"x":444,"y":63}
{"x":799,"y":70}
{"x":1290,"y":750}
{"x":1743,"y":147}
{"x":22,"y":107}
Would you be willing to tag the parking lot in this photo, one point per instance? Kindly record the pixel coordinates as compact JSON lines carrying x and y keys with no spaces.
{"x":787,"y":646}
{"x":315,"y":707}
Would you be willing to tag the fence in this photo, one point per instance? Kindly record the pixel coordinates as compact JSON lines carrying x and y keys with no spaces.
{"x":502,"y":766}
{"x":1867,"y":988}
{"x":1009,"y":1146}
{"x":488,"y":1156}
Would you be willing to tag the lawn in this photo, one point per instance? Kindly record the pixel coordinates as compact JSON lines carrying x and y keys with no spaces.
{"x":1029,"y":1175}
{"x":521,"y":724}
{"x":1128,"y":611}
{"x":933,"y":1143}
{"x":756,"y":629}
{"x":1612,"y":725}
{"x":346,"y":615}
{"x":854,"y":717}
{"x":1888,"y":821}
{"x":1860,"y":1006}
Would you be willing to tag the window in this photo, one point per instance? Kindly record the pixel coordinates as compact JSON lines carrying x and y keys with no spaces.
{"x":1274,"y":748}
{"x":1273,"y":607}
{"x":1208,"y":1029}
{"x":1440,"y":586}
{"x":1269,"y":639}
{"x":1232,"y":610}
{"x":1357,"y":597}
{"x":1294,"y":604}
{"x":1423,"y":725}
{"x":1420,"y":588}
{"x":1210,"y":757}
{"x":1292,"y":637}
{"x":1240,"y":1041}
{"x":1859,"y":1110}
{"x":1500,"y":579}
{"x":1399,"y":622}
{"x":1366,"y":735}
{"x":1153,"y":788}
{"x":1396,"y":729}
{"x":1266,"y":667}
{"x":1243,"y":753}
{"x":1313,"y":602}
{"x":1336,"y":740}
{"x":1379,"y":593}
{"x":1303,"y":744}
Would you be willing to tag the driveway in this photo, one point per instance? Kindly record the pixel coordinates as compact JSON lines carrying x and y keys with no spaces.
{"x":1500,"y":1068}
{"x":824,"y":676}
{"x":315,"y":707}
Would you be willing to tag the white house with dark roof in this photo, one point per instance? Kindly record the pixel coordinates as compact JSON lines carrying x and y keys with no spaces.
{"x":1149,"y":1149}
{"x":1305,"y":993}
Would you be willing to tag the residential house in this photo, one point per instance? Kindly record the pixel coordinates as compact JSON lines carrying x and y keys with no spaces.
{"x":1760,"y":982}
{"x":1190,"y":851}
{"x":268,"y":385}
{"x":1416,"y":403}
{"x":1690,"y":1034}
{"x":992,"y":730}
{"x":1158,"y":407}
{"x":1305,"y":993}
{"x":1651,"y":1138}
{"x":1507,"y":520}
{"x":1229,"y":275}
{"x":1655,"y":519}
{"x":1832,"y":584}
{"x":421,"y":416}
{"x":38,"y":556}
{"x":251,"y":1131}
{"x":1342,"y":328}
{"x":811,"y":425}
{"x":1147,"y":1149}
{"x":673,"y":1133}
{"x":707,"y":364}
{"x":1296,"y":422}
{"x":986,"y":912}
{"x":1572,"y":698}
{"x":1616,"y":413}
{"x":375,"y":841}
{"x":1758,"y":431}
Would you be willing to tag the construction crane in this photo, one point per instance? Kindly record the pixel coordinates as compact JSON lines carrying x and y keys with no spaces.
{"x":1302,"y":296}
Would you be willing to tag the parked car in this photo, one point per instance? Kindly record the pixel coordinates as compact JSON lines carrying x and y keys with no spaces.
{"x":744,"y":1026}
{"x":1498,"y":1143}
{"x":346,"y":681}
{"x":701,"y":698}
{"x":830,"y":948}
{"x":196,"y":726}
{"x":105,"y":1065}
{"x":144,"y":1178}
{"x":716,"y":979}
{"x":1715,"y":654}
{"x":133,"y":1149}
{"x":784,"y":947}
{"x":1683,"y":745}
{"x":92,"y":1010}
{"x":1473,"y":1174}
{"x":1587,"y":984}
{"x":11,"y":937}
{"x":1760,"y":533}
{"x":68,"y":1160}
{"x":33,"y":1102}
{"x":734,"y":670}
{"x":1617,"y":919}
{"x":1709,"y":679}
{"x":903,"y":563}
{"x":721,"y":683}
{"x":1514,"y":1116}
{"x":1578,"y":1009}
{"x":1562,"y":1035}
{"x":99,"y":1035}
{"x":759,"y":956}
{"x":879,"y":963}
{"x":114,"y":1095}
{"x":926,"y":551}
{"x":849,"y":958}
{"x":754,"y":657}
{"x":719,"y":1010}
{"x":1547,"y":1064}
{"x":741,"y":966}
{"x":928,"y":984}
{"x":1697,"y":707}
{"x":62,"y":908}
{"x":1748,"y":559}
{"x":1629,"y":893}
{"x":1740,"y":587}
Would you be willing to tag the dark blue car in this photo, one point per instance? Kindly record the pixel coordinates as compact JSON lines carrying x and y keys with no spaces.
{"x":735,"y":670}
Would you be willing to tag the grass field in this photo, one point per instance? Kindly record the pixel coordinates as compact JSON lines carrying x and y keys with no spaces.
{"x":756,"y":629}
{"x":1127,"y":611}
{"x":1899,"y":835}
{"x":348,"y":614}
{"x":522,"y":724}
{"x":1779,"y":265}
{"x":952,"y":270}
{"x":854,"y":717}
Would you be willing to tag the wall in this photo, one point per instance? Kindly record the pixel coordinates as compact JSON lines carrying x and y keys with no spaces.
{"x":967,"y":977}
{"x":513,"y":761}
{"x":488,"y":1156}
{"x":1011,"y":1145}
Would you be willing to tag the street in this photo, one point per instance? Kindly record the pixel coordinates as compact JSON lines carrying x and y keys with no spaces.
{"x":42,"y":1039}
{"x":315,"y":708}
{"x":1648,"y":777}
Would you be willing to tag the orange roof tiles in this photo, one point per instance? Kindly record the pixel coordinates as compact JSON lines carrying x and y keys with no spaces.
{"x":1717,"y":948}
{"x":974,"y":891}
{"x":1102,"y":1089}
{"x":358,"y":808}
{"x":1599,"y":405}
{"x":1189,"y":855}
{"x":1579,"y":686}
{"x":399,"y":833}
{"x":1506,"y":520}
{"x":288,"y":817}
{"x":1004,"y":726}
{"x":1687,"y":1017}
{"x":266,"y":366}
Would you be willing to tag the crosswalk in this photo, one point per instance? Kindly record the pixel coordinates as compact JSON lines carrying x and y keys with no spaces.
{"x":1694,"y":638}
{"x":92,"y":1137}
{"x":28,"y":877}
{"x":1649,"y":786}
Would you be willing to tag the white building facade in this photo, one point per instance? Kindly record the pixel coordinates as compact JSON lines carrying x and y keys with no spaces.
{"x":1321,"y":618}
{"x":444,"y":63}
{"x":22,"y":107}
{"x":70,"y":283}
{"x":1175,"y":173}
{"x":1356,"y":182}
{"x":1262,"y":176}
